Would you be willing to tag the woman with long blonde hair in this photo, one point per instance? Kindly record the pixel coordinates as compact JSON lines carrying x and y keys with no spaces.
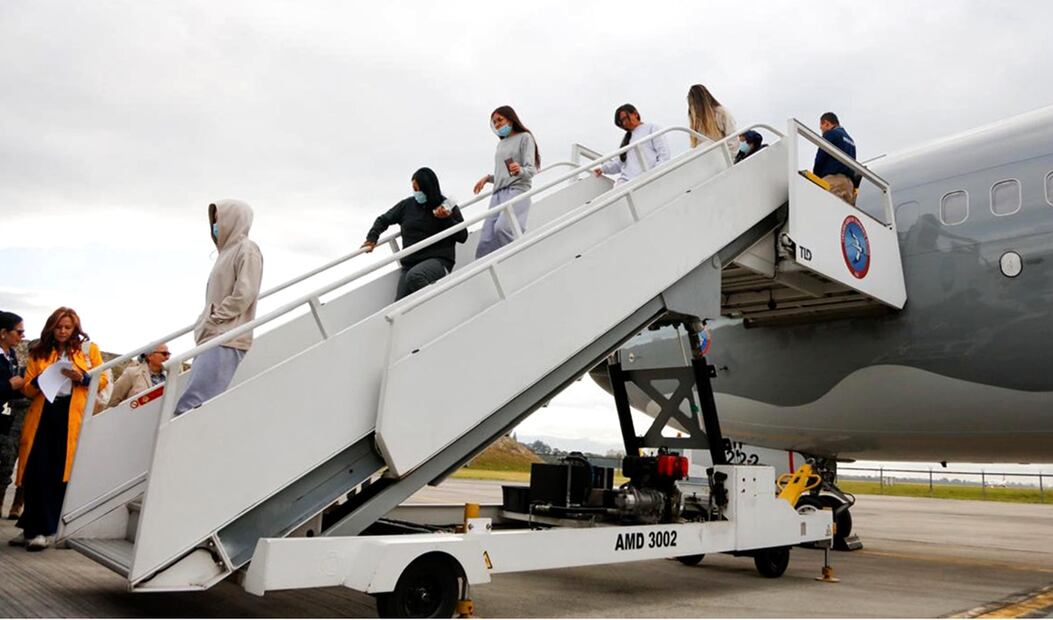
{"x":708,"y":117}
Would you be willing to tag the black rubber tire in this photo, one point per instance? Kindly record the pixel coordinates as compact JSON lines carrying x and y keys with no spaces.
{"x":844,"y":520}
{"x":772,"y":563}
{"x":428,"y":588}
{"x":691,"y":560}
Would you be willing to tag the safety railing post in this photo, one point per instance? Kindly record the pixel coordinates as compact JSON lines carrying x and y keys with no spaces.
{"x":1041,"y":490}
{"x":93,"y":394}
{"x":640,"y":156}
{"x":930,"y":482}
{"x":631,"y":202}
{"x":517,"y":230}
{"x":881,"y":478}
{"x":983,"y":484}
{"x":727,"y":155}
{"x":316,"y":312}
{"x":496,"y":279}
{"x":394,"y":245}
{"x":171,"y":393}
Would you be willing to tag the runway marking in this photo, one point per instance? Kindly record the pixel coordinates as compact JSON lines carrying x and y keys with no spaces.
{"x":1035,"y":604}
{"x":1031,"y":568}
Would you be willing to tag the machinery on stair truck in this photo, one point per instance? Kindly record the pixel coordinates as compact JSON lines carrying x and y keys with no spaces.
{"x":255,"y":483}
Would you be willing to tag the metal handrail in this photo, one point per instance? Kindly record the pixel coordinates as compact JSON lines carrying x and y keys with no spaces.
{"x":312,"y":298}
{"x":831,"y":150}
{"x":305,"y":299}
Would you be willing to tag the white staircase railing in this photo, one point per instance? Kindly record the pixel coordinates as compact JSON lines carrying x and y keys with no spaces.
{"x":312,"y":300}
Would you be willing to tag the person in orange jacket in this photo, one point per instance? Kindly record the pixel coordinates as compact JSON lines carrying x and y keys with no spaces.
{"x":51,"y":428}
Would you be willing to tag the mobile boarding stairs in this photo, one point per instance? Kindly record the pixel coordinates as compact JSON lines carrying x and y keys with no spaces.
{"x":350,"y":403}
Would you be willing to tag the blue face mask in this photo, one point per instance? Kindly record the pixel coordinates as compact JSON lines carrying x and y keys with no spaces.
{"x":420,"y":197}
{"x":744,"y":148}
{"x":215,"y":231}
{"x":504,"y":131}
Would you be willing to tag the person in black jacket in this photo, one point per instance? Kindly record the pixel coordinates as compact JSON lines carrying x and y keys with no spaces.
{"x":420,"y":216}
{"x":841,"y":178}
{"x":13,"y":404}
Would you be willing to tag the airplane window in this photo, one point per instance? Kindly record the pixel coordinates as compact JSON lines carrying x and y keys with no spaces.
{"x":954,"y":208}
{"x":1049,"y":188}
{"x":1005,"y":197}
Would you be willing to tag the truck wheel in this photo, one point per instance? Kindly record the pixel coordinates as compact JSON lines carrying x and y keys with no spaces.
{"x":428,"y":588}
{"x":772,"y":562}
{"x":691,"y":560}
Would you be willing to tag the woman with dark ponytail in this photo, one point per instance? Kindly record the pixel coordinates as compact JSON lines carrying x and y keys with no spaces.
{"x":516,"y":161}
{"x":635,"y":162}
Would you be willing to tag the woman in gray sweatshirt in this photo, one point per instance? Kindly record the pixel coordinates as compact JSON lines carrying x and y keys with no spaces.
{"x":516,"y":161}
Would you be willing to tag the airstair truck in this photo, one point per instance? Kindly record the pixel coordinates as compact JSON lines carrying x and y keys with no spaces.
{"x":348,"y":404}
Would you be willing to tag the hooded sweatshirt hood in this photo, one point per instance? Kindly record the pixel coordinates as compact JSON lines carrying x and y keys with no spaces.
{"x":234,"y":285}
{"x":234,"y":218}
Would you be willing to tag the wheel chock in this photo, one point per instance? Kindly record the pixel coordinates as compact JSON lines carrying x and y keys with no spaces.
{"x":465,"y":608}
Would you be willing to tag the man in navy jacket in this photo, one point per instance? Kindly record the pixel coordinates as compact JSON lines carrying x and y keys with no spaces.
{"x":839,"y":176}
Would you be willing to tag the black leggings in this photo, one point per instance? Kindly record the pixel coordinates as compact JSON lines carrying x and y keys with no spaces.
{"x":45,"y":468}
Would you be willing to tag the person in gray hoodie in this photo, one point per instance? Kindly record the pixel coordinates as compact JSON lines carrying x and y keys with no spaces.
{"x":230,"y":301}
{"x":516,"y":161}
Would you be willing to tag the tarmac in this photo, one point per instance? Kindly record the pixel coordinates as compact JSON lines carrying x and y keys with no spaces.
{"x":922,"y":558}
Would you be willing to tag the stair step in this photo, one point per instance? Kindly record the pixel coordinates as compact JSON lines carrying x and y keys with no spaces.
{"x":114,"y":553}
{"x":134,"y":508}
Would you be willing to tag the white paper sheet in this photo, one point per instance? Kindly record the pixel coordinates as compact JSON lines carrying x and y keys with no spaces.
{"x":51,"y":381}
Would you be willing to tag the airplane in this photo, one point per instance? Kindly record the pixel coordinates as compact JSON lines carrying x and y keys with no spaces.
{"x":962,"y":373}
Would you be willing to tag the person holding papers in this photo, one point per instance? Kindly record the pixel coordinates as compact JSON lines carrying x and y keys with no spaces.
{"x":57,"y":382}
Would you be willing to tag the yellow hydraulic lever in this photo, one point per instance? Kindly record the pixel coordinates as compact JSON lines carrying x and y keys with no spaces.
{"x":793,"y":486}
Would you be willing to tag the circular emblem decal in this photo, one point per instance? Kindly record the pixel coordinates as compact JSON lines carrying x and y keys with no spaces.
{"x":855,"y":246}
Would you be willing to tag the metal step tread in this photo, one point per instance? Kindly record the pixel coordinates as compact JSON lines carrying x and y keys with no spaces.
{"x":114,"y":553}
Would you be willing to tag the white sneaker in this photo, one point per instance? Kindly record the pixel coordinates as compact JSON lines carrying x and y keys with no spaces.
{"x":38,"y":543}
{"x":18,"y":541}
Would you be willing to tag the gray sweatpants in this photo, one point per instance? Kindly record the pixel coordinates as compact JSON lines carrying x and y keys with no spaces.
{"x":209,"y":377}
{"x":497,"y":230}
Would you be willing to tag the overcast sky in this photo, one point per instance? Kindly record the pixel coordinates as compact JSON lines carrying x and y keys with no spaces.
{"x":121,"y":121}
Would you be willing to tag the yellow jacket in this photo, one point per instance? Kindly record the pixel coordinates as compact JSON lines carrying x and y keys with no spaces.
{"x":79,"y":398}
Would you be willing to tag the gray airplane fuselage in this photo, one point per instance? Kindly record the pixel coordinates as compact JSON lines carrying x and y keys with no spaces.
{"x":965,"y":370}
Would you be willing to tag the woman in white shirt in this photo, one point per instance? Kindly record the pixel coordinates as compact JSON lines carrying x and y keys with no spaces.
{"x":636,"y":161}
